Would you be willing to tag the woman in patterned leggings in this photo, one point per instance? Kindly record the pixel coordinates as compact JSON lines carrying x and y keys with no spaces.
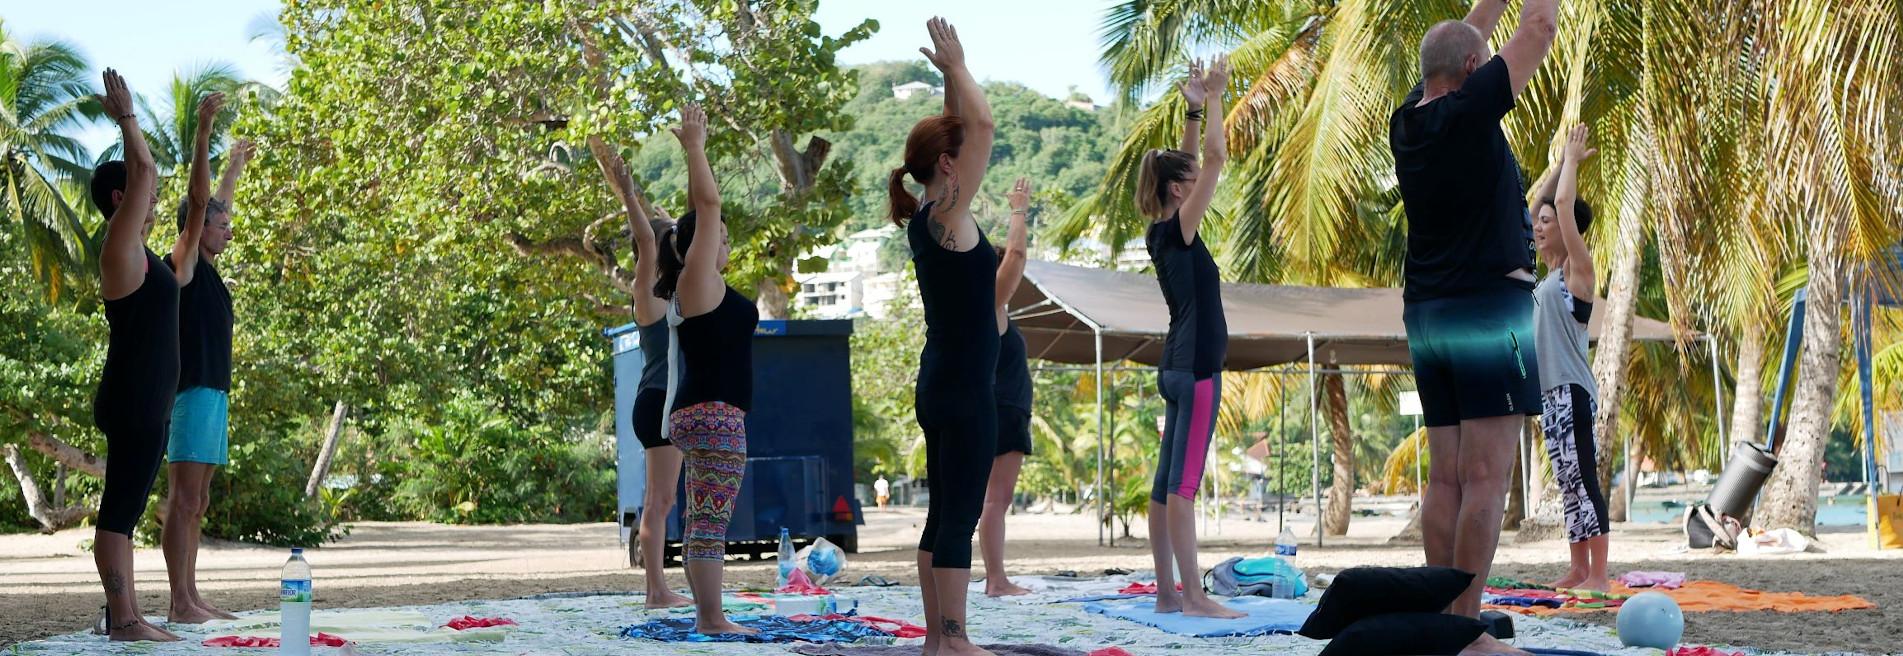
{"x":711,"y":375}
{"x":1563,"y":305}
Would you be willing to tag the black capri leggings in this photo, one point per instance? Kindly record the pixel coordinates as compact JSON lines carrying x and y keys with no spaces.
{"x":961,"y":439}
{"x":134,"y":450}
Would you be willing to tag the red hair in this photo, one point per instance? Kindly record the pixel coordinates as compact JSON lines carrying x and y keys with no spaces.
{"x":937,"y":135}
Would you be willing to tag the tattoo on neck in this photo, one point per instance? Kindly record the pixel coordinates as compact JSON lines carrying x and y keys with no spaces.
{"x":115,"y":583}
{"x":953,"y":629}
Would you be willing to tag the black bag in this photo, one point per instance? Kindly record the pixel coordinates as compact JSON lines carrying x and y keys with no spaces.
{"x":1708,"y":529}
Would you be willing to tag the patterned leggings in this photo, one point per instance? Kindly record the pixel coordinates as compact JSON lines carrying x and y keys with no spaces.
{"x":713,"y":437}
{"x":1567,"y":421}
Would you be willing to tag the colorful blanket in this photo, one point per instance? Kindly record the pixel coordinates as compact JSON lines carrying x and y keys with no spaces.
{"x":1693,"y":597}
{"x":772,"y":628}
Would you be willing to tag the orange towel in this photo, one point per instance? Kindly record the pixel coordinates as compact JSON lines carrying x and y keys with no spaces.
{"x":1713,"y":596}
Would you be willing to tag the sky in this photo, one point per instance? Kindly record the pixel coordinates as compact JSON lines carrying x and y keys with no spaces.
{"x":1048,"y":45}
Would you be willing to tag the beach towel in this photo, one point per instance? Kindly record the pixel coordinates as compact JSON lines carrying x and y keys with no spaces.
{"x":1701,"y":651}
{"x":466,"y":622}
{"x":1264,"y":617}
{"x":772,"y":628}
{"x":363,"y":627}
{"x":319,"y":640}
{"x":1714,"y":596}
{"x":1667,"y":580}
{"x":898,"y":628}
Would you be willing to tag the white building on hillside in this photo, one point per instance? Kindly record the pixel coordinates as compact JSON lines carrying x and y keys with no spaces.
{"x":909,"y":89}
{"x":852,"y":283}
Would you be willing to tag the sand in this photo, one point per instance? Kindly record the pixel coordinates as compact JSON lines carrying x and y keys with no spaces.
{"x":48,"y":585}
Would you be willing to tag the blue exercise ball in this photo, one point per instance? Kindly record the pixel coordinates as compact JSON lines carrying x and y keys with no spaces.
{"x":1651,"y":619}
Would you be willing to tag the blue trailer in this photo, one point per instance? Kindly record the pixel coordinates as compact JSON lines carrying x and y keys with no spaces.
{"x":799,"y":441}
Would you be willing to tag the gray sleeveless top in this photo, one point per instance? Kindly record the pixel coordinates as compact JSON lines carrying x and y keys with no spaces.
{"x":1559,"y":335}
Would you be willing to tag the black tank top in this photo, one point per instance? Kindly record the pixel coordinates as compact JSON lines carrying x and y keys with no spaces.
{"x":717,"y":354}
{"x":653,"y":355}
{"x":204,"y":330}
{"x":961,"y":322}
{"x":141,"y":374}
{"x":1014,"y":369}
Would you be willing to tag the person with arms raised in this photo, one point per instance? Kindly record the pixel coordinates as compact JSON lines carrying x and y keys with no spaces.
{"x":1013,"y":395}
{"x":1467,"y":299}
{"x":957,"y":272}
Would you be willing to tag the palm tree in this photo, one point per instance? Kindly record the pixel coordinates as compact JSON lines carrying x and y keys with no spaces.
{"x":46,"y":95}
{"x":1833,"y":100}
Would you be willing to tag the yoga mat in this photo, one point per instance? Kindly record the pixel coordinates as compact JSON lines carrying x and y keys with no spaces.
{"x":1265,"y":617}
{"x":772,"y":628}
{"x":912,"y":650}
{"x":1714,"y":596}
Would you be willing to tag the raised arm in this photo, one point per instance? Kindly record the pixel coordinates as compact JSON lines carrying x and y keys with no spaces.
{"x":1016,"y":248}
{"x":122,"y":261}
{"x":1215,"y":152}
{"x":1485,"y":15}
{"x":1193,"y":94}
{"x":648,"y":308}
{"x":701,"y":287}
{"x":1539,"y":24}
{"x":185,"y":250}
{"x":966,"y":100}
{"x":235,"y":160}
{"x":1579,"y":269}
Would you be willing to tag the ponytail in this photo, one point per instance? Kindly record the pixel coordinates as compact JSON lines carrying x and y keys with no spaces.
{"x":902,"y":203}
{"x":673,"y":246}
{"x":1160,"y":168}
{"x":935,"y":135}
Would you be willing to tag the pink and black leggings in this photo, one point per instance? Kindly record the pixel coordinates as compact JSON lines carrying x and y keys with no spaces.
{"x":1189,"y":423}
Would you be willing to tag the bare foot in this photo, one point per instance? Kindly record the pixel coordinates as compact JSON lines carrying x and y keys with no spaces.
{"x":188,"y":613}
{"x":1597,"y":585}
{"x":721,"y":626}
{"x":142,"y":632}
{"x":1206,"y":607}
{"x":1004,"y":588}
{"x":666,"y":599}
{"x":1487,"y":645}
{"x":1170,"y":603}
{"x":1571,"y":579}
{"x":963,"y":648}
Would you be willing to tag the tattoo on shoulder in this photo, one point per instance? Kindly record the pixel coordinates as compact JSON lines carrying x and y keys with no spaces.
{"x":953,"y":629}
{"x":941,"y":235}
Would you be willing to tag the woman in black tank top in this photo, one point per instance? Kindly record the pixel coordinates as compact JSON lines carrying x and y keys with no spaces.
{"x":948,"y":154}
{"x":711,"y":381}
{"x":648,"y":416}
{"x":134,"y":401}
{"x":1012,"y":400}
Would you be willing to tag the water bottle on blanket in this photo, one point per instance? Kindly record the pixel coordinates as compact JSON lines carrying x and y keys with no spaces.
{"x":294,"y":606}
{"x":1285,"y":544}
{"x":786,"y":558}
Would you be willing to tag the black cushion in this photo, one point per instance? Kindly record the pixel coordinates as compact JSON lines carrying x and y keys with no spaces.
{"x":1415,"y":634}
{"x":1368,"y":591}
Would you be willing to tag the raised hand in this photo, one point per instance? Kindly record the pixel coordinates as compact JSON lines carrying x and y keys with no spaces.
{"x":1193,"y":91}
{"x":693,"y":129}
{"x":208,"y":109}
{"x":946,"y":52}
{"x":1576,"y":148}
{"x":118,"y":99}
{"x":242,"y":151}
{"x":1020,"y":196}
{"x":1216,"y":80}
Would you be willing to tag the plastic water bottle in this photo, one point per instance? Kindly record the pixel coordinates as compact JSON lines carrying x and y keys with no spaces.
{"x":294,"y":606}
{"x":1285,"y":543}
{"x":786,"y":557}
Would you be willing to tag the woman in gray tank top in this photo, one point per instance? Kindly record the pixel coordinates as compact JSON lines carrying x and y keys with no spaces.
{"x":1563,"y":307}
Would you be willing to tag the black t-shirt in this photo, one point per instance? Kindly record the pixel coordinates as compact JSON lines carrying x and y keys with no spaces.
{"x":1014,"y":369}
{"x":1467,"y":224}
{"x":1198,"y":340}
{"x":204,"y":330}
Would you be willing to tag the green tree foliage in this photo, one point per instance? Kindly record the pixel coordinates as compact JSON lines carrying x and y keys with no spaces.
{"x":45,"y":96}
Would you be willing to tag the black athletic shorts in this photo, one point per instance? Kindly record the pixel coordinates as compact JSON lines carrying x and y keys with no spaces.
{"x":1014,"y":430}
{"x":1473,"y":354}
{"x":648,"y":406}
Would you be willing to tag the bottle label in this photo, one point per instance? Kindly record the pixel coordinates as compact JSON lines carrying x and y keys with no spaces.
{"x":1284,"y":550}
{"x":294,"y":591}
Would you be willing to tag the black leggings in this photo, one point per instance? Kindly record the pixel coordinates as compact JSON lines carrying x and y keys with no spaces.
{"x":961,"y":439}
{"x":134,"y":450}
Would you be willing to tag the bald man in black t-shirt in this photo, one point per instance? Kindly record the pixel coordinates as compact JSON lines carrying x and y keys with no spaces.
{"x":1468,"y":301}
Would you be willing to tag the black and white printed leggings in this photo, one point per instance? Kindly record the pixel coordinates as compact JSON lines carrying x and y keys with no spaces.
{"x":1567,"y":421}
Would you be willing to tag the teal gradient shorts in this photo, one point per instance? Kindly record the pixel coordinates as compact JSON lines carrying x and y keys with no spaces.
{"x":1473,"y":354}
{"x":199,"y":427}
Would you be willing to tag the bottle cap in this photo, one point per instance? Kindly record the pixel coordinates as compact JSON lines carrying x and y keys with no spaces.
{"x":297,"y":551}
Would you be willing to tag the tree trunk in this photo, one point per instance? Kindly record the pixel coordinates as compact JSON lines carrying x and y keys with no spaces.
{"x":51,"y":516}
{"x":1747,"y":407}
{"x":71,"y":455}
{"x":1516,"y":491}
{"x":1410,"y":534}
{"x":1615,"y":344}
{"x":1790,"y":498}
{"x":798,"y":170}
{"x":331,"y":435}
{"x":772,"y":299}
{"x":1341,"y":492}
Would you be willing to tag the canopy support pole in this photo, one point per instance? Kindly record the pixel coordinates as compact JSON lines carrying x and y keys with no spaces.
{"x":1103,"y":508}
{"x":1718,"y":399}
{"x":1281,"y":455}
{"x":1314,"y":441}
{"x":1861,"y":344}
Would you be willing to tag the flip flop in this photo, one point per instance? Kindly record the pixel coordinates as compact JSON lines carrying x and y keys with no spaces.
{"x":874,"y":580}
{"x":1066,"y":574}
{"x":1115,"y":571}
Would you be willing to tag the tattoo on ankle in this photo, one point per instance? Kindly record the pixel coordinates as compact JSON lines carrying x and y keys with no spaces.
{"x":115,"y":583}
{"x":953,"y":629}
{"x":122,"y":627}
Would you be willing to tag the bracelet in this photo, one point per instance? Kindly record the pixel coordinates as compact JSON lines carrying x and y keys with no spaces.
{"x":127,"y":117}
{"x":1194,"y":114}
